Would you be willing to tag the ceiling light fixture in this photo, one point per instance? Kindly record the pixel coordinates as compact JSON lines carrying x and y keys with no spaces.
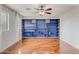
{"x":44,"y":9}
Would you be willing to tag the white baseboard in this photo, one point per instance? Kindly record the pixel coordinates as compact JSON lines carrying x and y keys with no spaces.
{"x":70,"y":44}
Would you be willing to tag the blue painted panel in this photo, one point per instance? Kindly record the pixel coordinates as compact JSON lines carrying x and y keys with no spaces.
{"x":41,"y":33}
{"x":40,"y":24}
{"x":29,"y":26}
{"x":27,"y":34}
{"x":54,"y":21}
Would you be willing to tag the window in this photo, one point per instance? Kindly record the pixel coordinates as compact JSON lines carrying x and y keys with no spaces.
{"x":4,"y":21}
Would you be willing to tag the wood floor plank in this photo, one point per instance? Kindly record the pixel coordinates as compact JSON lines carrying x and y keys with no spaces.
{"x":41,"y":46}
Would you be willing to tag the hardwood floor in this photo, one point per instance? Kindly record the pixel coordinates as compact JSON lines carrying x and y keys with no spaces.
{"x":41,"y":46}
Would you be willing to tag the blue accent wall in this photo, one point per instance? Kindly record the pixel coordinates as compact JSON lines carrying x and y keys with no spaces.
{"x":40,"y":29}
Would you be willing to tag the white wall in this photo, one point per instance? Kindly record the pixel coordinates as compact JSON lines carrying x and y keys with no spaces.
{"x":69,"y":28}
{"x":10,"y":37}
{"x":18,"y":27}
{"x":0,"y":37}
{"x":0,"y":27}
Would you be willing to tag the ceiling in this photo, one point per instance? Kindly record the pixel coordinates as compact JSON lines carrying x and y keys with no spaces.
{"x":29,"y":11}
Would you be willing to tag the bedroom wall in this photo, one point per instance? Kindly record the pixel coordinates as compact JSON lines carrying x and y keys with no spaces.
{"x":10,"y":37}
{"x":0,"y":27}
{"x":69,"y":27}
